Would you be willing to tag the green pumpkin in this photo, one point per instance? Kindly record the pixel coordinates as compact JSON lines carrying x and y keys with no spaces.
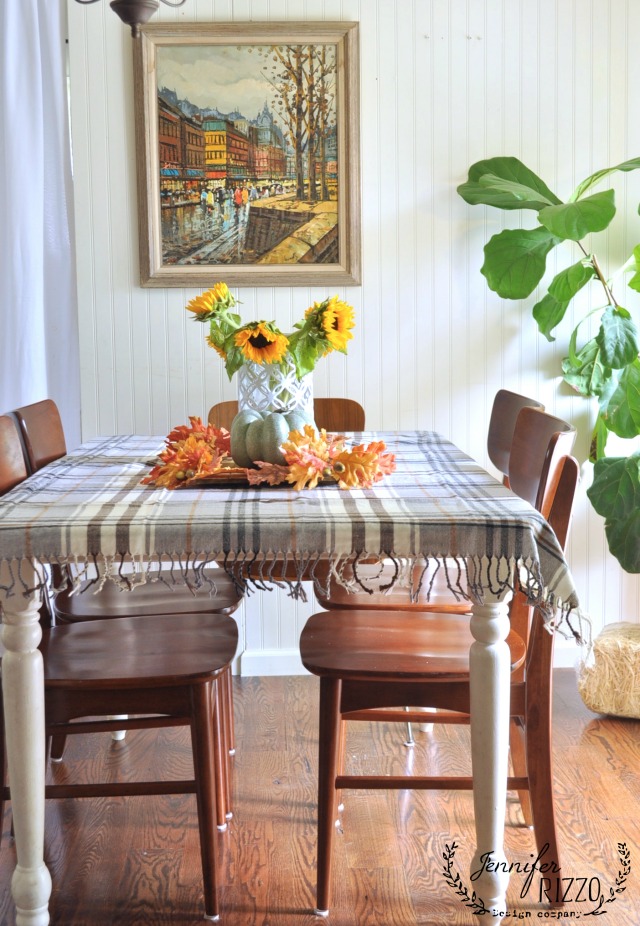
{"x":259,"y":436}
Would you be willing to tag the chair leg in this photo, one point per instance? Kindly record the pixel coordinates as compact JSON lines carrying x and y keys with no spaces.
{"x":517,"y":749}
{"x":58,"y":742}
{"x":227,"y":680}
{"x":203,"y":726}
{"x":118,"y":735}
{"x":222,"y":761}
{"x":427,"y":727}
{"x":539,"y":757}
{"x":342,"y":750}
{"x":3,"y":767}
{"x":329,"y":750}
{"x":410,"y":741}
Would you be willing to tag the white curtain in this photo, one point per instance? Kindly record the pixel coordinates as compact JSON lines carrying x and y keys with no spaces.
{"x":38,"y":310}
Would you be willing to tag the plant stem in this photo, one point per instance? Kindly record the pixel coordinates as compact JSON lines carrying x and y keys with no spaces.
{"x":596,"y":266}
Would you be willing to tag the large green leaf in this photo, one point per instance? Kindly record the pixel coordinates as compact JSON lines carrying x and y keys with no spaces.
{"x":567,"y":283}
{"x":634,"y":282}
{"x":615,"y":494}
{"x":620,"y":402}
{"x":515,"y":259}
{"x":575,"y":220}
{"x":506,"y":183}
{"x":582,"y":188}
{"x":585,"y":372}
{"x":548,"y":313}
{"x":551,"y":309}
{"x":617,"y":338}
{"x":599,"y":439}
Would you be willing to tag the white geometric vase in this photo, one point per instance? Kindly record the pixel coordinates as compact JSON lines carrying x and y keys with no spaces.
{"x":274,"y":387}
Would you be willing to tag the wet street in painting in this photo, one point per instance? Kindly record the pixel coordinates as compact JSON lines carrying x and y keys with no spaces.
{"x":195,"y":234}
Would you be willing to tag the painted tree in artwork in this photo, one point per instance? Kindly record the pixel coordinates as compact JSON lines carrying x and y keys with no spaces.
{"x":321,"y":114}
{"x":303,"y":80}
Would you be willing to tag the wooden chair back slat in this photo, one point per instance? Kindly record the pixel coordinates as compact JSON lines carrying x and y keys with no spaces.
{"x":507,"y":406}
{"x":13,"y":470}
{"x":540,"y":442}
{"x":42,"y":433}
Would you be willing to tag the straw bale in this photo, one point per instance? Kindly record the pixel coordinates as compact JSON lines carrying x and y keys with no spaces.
{"x":609,"y":683}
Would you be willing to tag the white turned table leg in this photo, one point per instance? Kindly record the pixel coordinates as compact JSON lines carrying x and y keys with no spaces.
{"x":23,"y":695}
{"x":489,"y":668}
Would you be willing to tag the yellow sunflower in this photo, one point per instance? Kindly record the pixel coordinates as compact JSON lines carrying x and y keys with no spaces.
{"x":260,"y":343}
{"x":337,"y":319}
{"x":219,"y":350}
{"x":207,"y":302}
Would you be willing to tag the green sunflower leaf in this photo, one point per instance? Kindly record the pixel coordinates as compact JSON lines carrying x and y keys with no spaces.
{"x":575,"y":220}
{"x":620,"y":402}
{"x":515,"y":260}
{"x":505,"y":183}
{"x":234,"y":361}
{"x":615,"y":495}
{"x":306,"y":353}
{"x":617,"y":338}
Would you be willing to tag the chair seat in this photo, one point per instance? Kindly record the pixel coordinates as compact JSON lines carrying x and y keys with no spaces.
{"x":218,"y":593}
{"x":384,"y":645}
{"x":139,"y":652}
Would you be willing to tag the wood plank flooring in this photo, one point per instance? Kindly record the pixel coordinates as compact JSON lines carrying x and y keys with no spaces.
{"x":135,"y":861}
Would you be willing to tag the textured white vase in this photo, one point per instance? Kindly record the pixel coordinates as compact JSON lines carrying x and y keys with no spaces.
{"x":274,"y":387}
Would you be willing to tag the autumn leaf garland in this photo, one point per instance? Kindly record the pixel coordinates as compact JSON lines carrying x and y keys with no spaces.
{"x":198,"y":451}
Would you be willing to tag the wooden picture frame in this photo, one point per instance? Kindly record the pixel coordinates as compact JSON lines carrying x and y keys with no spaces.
{"x":257,"y":199}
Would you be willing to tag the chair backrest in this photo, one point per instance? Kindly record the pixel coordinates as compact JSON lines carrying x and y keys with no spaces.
{"x":563,"y":497}
{"x":12,"y":465}
{"x":222,"y":414}
{"x":504,"y":414}
{"x":42,"y":433}
{"x":559,"y":490}
{"x":540,"y":442}
{"x":338,"y":414}
{"x":330,"y":414}
{"x":529,"y":622}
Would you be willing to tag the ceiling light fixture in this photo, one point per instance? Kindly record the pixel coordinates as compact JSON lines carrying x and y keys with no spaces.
{"x":136,"y":12}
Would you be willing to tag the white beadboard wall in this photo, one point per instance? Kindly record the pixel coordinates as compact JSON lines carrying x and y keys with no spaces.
{"x":444,"y":83}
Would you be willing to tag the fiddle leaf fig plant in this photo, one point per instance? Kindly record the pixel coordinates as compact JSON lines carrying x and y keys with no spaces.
{"x":605,"y":367}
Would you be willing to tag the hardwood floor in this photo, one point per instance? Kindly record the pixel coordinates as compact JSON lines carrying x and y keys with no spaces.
{"x":135,"y":861}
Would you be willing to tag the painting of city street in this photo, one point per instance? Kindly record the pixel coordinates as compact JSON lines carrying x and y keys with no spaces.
{"x":250,"y":153}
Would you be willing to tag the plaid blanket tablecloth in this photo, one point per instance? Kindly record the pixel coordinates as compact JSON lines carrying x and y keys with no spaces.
{"x":89,"y":509}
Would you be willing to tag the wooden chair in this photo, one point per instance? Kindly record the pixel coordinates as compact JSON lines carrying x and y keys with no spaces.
{"x":13,"y":470}
{"x":43,"y":441}
{"x":502,"y":424}
{"x":330,"y":414}
{"x":538,"y":442}
{"x":42,"y":433}
{"x":372,"y":662}
{"x":167,"y":673}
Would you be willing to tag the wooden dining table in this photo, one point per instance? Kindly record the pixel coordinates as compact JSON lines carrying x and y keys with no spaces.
{"x":89,"y":510}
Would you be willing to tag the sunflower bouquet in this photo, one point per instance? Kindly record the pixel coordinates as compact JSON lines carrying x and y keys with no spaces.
{"x":326,"y":327}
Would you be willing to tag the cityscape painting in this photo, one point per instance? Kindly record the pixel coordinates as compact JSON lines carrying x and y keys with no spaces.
{"x":247,"y":147}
